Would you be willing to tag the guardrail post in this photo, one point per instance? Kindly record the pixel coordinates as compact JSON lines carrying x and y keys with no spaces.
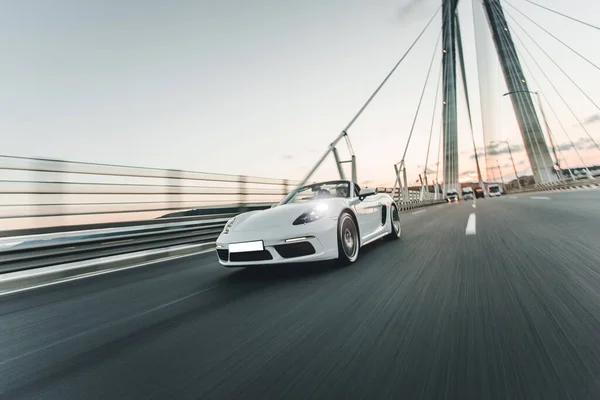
{"x":243,"y":192}
{"x":286,"y":187}
{"x":174,"y":187}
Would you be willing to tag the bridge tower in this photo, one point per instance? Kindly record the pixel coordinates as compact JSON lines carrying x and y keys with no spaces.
{"x":450,"y":126}
{"x":520,"y":94}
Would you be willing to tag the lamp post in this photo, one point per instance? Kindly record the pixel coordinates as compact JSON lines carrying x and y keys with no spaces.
{"x":511,"y":159}
{"x":500,"y":171}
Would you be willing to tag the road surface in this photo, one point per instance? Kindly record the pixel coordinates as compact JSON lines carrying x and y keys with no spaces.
{"x":501,"y":301}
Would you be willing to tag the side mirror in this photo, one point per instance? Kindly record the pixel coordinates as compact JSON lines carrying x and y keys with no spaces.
{"x":365,"y":193}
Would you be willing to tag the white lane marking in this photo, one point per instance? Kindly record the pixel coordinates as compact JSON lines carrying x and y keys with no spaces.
{"x":539,"y":198}
{"x":110,"y":324}
{"x":471,"y":227}
{"x":513,"y":197}
{"x":102,"y":272}
{"x":474,"y":205}
{"x":418,"y":212}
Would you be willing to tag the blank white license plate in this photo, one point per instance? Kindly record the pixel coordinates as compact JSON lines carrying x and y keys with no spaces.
{"x":246,"y":246}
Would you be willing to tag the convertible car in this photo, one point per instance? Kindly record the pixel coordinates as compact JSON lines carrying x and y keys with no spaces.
{"x":322,"y":221}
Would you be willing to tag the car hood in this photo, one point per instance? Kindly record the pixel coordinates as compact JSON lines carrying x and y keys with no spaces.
{"x":274,"y":217}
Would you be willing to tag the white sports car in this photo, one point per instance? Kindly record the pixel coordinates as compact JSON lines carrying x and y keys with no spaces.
{"x":322,"y":221}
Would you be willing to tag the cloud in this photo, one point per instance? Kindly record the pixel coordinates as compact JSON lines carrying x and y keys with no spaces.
{"x":583,"y":143}
{"x":592,"y":119}
{"x":563,"y":147}
{"x":496,"y":149}
{"x":406,"y":9}
{"x":287,"y":157}
{"x":428,"y":171}
{"x":468,"y":173}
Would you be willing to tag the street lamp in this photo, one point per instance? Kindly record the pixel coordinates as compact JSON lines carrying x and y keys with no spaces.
{"x":511,"y":159}
{"x":500,"y":171}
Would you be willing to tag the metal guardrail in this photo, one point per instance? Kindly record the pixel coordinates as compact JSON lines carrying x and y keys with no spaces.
{"x":52,"y":251}
{"x":42,"y":195}
{"x":558,"y":186}
{"x":35,"y":251}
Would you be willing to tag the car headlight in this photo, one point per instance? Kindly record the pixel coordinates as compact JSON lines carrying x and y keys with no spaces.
{"x":314,"y":214}
{"x":228,"y":226}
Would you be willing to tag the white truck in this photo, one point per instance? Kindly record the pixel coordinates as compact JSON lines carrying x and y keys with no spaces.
{"x":495,"y":190}
{"x":467,"y":193}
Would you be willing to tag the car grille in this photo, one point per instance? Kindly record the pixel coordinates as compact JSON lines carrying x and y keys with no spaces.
{"x":223,"y":254}
{"x":295,"y":249}
{"x":250,"y":256}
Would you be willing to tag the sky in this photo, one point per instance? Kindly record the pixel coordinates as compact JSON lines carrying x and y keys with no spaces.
{"x":262,"y":87}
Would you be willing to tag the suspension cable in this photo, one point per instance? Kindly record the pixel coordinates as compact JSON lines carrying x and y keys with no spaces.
{"x":546,"y":99}
{"x":422,"y":95}
{"x":563,"y":15}
{"x":556,"y":90}
{"x":437,"y":93}
{"x":549,"y":33}
{"x":553,"y":62}
{"x":466,"y":90}
{"x":391,"y":72}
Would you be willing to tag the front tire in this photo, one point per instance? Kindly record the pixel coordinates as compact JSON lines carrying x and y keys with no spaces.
{"x":348,"y":239}
{"x":395,"y":222}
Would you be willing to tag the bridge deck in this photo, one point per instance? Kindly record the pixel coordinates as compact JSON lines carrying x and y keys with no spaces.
{"x":509,"y":312}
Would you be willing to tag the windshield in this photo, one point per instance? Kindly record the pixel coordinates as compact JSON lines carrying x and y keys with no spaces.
{"x":318,"y":191}
{"x":467,"y":191}
{"x":494,"y":189}
{"x":451,"y":193}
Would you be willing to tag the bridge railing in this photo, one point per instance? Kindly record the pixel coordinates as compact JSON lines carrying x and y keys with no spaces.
{"x":414,"y":198}
{"x":582,"y":183}
{"x":44,"y":195}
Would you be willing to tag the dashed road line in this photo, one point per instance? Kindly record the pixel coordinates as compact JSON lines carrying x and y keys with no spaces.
{"x":539,"y":198}
{"x":418,"y":212}
{"x":471,"y":227}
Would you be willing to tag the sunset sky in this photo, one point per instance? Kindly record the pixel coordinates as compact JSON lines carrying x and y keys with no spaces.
{"x":262,"y":87}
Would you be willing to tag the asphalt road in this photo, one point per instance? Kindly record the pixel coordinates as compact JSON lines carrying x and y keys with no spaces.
{"x":510,"y":311}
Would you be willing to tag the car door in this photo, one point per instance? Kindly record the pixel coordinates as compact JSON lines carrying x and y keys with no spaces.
{"x":368,"y":213}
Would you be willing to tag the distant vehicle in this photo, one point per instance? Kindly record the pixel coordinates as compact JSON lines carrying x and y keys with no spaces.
{"x":452,"y":196}
{"x":467,"y":193}
{"x":322,"y":221}
{"x":479,"y":193}
{"x":494,"y":190}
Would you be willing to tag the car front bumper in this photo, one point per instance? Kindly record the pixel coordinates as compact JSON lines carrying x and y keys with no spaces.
{"x":304,"y":243}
